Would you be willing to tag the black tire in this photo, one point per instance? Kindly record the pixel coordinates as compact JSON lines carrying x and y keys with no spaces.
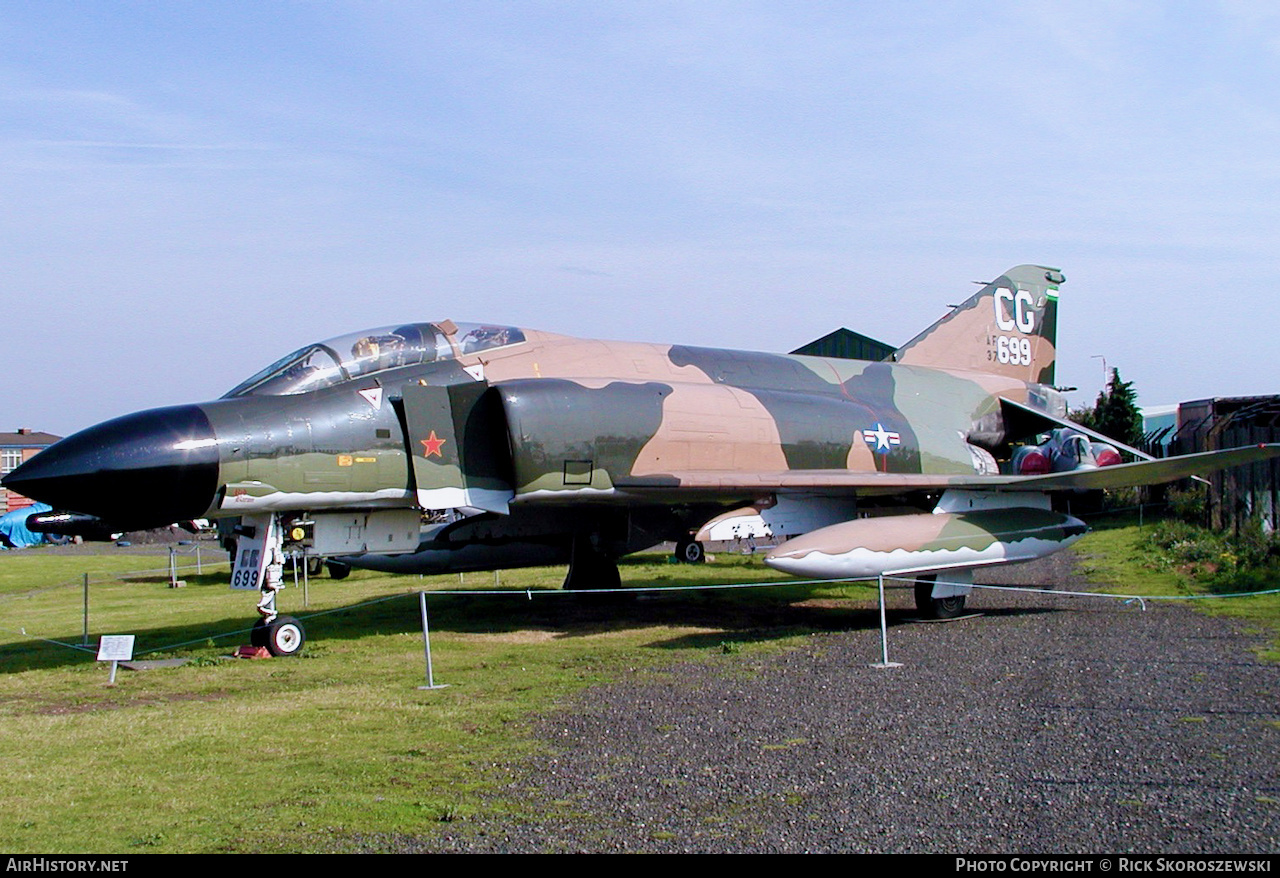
{"x":284,"y":636}
{"x":314,"y":566}
{"x":936,"y":608}
{"x":690,"y":552}
{"x":338,"y":570}
{"x":590,"y":569}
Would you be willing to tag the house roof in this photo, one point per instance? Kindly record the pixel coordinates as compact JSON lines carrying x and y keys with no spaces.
{"x":847,"y":344}
{"x":27,"y":439}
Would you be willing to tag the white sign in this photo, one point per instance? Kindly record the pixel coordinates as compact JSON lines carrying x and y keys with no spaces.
{"x":115,"y":648}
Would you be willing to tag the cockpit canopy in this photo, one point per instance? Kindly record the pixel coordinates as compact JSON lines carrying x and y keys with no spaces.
{"x":326,"y":363}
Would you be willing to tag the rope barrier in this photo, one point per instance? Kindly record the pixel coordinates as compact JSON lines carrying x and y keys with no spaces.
{"x":529,"y":594}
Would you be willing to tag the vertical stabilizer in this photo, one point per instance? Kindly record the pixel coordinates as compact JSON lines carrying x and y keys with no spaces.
{"x":1009,"y":327}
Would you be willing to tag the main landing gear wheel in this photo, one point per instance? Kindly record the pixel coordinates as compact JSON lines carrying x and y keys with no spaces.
{"x":284,"y":636}
{"x":936,"y":608}
{"x":590,"y":568}
{"x":690,"y":552}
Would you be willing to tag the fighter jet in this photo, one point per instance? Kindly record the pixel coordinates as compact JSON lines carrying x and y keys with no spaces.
{"x":442,"y":446}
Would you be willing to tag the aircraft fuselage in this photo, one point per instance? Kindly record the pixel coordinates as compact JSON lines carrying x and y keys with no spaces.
{"x":566,"y":434}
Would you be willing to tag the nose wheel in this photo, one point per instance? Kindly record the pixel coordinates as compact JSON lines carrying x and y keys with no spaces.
{"x":282,"y":636}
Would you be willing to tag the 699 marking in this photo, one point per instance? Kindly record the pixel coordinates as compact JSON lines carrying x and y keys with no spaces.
{"x":1012,"y":350}
{"x":246,"y":573}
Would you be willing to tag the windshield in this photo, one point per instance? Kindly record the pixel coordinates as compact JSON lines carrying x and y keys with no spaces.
{"x":373,"y":350}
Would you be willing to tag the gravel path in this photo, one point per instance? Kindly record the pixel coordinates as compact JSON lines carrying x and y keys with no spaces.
{"x":1045,"y":725}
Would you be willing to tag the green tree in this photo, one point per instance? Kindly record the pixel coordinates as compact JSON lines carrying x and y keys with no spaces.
{"x":1116,"y":414}
{"x":1083,"y":416}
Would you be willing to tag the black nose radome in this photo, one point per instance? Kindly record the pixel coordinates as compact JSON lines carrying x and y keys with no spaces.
{"x":143,"y":470}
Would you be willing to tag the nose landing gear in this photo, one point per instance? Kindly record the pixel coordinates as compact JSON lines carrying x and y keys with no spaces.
{"x":259,"y":565}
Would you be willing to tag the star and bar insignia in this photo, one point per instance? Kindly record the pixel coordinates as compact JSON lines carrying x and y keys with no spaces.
{"x":881,"y":438}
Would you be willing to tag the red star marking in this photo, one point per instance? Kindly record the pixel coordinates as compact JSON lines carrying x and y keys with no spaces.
{"x":432,"y":444}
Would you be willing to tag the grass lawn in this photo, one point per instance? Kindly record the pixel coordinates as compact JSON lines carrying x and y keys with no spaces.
{"x":307,"y":753}
{"x":1114,"y":553}
{"x":304,"y":753}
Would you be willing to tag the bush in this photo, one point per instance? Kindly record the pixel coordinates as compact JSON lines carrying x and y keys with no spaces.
{"x":1190,"y":504}
{"x":1223,"y":563}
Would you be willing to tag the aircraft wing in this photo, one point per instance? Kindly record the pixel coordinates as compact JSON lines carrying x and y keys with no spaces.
{"x":1145,"y":472}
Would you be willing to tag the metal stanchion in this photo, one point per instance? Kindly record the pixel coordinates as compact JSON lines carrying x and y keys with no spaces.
{"x":85,"y":637}
{"x":426,"y":644}
{"x":884,"y":633}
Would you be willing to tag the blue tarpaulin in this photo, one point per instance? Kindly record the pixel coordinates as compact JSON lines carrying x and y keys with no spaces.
{"x":13,"y":527}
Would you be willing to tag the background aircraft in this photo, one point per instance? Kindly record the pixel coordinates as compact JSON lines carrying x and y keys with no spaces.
{"x":433,"y":447}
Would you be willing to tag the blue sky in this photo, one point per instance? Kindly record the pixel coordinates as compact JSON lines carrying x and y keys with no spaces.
{"x":190,"y":190}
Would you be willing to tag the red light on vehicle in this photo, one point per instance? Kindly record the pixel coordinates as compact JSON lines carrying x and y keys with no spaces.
{"x":1033,"y":463}
{"x":1107,"y":456}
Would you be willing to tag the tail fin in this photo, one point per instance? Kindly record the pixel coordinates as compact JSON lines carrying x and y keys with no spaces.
{"x":1009,"y":327}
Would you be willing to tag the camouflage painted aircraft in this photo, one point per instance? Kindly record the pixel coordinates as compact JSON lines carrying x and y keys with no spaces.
{"x":433,"y":447}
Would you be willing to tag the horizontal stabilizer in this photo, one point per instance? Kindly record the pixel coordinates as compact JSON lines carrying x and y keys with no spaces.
{"x":1022,"y":421}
